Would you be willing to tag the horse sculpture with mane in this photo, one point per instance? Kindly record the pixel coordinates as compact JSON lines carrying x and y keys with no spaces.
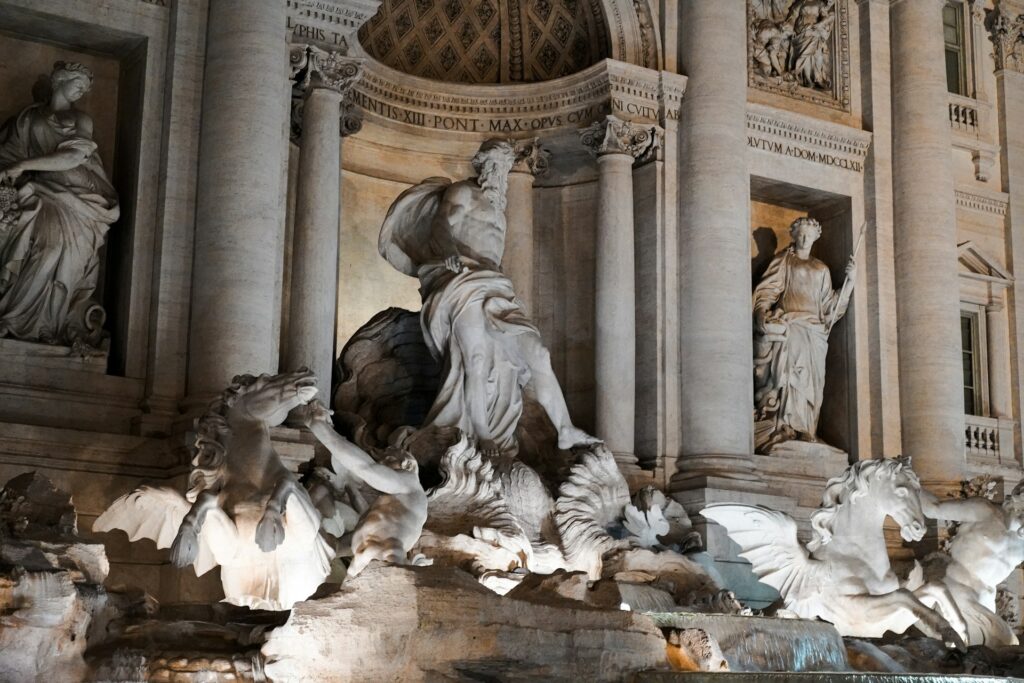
{"x":843,"y":575}
{"x":236,"y":511}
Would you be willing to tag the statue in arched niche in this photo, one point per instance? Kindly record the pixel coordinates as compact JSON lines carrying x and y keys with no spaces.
{"x":795,"y":308}
{"x":58,"y":205}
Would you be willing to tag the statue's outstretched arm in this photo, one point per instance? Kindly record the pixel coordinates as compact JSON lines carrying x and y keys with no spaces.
{"x":957,"y":510}
{"x":350,"y":456}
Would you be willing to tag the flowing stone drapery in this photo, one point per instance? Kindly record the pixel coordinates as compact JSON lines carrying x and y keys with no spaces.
{"x":927,"y":301}
{"x":325,"y":77}
{"x":52,"y":229}
{"x":517,"y":261}
{"x":240,"y":206}
{"x":714,"y":261}
{"x":617,"y":145}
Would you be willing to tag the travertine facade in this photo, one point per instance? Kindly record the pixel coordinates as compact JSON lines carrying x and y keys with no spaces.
{"x":662,"y":152}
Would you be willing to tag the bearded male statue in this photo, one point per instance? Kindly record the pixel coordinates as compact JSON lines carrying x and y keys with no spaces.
{"x":451,"y":236}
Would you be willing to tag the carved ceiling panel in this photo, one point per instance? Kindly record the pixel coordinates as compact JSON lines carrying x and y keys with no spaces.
{"x":487,"y":41}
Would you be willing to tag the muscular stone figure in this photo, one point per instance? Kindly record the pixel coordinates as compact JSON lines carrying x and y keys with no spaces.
{"x":451,"y":236}
{"x":394,"y":521}
{"x":987,"y":547}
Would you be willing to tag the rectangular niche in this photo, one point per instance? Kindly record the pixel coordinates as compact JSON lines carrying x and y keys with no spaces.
{"x":789,"y":54}
{"x":774,"y":206}
{"x":114,"y":103}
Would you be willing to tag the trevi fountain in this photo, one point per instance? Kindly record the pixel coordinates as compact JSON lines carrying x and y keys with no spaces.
{"x":511,"y":340}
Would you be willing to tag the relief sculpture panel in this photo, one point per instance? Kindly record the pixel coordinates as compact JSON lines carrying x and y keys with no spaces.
{"x":800,"y":48}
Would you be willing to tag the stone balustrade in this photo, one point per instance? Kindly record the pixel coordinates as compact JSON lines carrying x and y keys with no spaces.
{"x":963,"y":115}
{"x":986,"y":437}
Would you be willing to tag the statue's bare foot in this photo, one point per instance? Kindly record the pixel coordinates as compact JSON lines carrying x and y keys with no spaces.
{"x":572,"y":437}
{"x":185,"y":548}
{"x":270,"y":531}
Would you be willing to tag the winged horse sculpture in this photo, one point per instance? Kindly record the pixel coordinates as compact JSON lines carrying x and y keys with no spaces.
{"x":244,"y":510}
{"x":843,"y":575}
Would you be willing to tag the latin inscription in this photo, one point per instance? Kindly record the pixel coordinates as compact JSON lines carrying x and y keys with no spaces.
{"x":804,"y":153}
{"x":450,"y":122}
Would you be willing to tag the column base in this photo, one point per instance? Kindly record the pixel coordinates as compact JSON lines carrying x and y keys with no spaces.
{"x":636,"y":477}
{"x":716,"y":470}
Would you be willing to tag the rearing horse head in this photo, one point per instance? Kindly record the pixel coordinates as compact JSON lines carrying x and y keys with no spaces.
{"x":268,"y":398}
{"x":890,"y":484}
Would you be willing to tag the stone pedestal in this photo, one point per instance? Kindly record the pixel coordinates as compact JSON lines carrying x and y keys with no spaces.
{"x":240,"y":206}
{"x":927,"y":300}
{"x":716,"y":336}
{"x":617,"y":144}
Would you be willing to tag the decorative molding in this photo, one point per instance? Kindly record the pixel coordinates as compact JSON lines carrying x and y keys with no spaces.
{"x":332,"y":23}
{"x":983,"y":203}
{"x":158,"y":3}
{"x":609,"y":87}
{"x":977,"y":262}
{"x":804,"y":137}
{"x":615,"y":136}
{"x":773,"y":44}
{"x":530,"y":157}
{"x":1006,"y":32}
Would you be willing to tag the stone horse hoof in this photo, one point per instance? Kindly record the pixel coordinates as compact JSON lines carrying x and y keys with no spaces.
{"x":270,"y":531}
{"x":185,"y":548}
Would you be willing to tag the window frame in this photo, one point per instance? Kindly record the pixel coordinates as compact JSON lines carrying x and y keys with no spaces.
{"x":977,"y":315}
{"x":961,"y":49}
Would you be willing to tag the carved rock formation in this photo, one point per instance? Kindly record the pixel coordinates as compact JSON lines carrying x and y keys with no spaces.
{"x":443,"y":625}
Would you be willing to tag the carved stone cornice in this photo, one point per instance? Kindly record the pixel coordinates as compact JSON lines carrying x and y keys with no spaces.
{"x":530,"y":157}
{"x":394,"y":99}
{"x":332,"y":23}
{"x":808,"y":138}
{"x":1006,"y":31}
{"x":995,"y":204}
{"x":615,"y":136}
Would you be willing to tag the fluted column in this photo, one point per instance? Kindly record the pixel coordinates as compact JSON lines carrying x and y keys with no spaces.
{"x":716,"y":337}
{"x":240,"y":203}
{"x":617,"y":145}
{"x":313,"y":304}
{"x":927,"y":288}
{"x":517,"y":261}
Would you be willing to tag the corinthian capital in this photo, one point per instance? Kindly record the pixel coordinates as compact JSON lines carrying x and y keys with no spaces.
{"x":530,"y":157}
{"x":313,"y":67}
{"x":1006,"y":30}
{"x":615,"y":136}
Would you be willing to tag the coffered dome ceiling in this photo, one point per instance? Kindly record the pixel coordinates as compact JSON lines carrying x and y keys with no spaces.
{"x":487,"y":41}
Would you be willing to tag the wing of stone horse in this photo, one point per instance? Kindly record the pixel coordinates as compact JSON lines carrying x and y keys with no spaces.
{"x":767,"y":539}
{"x":406,"y":229}
{"x":156,"y":513}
